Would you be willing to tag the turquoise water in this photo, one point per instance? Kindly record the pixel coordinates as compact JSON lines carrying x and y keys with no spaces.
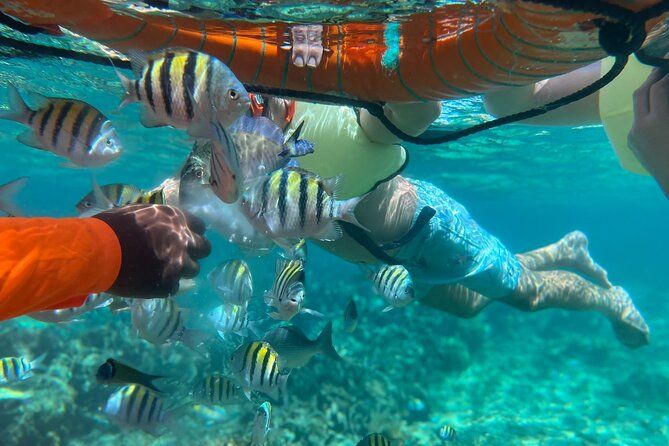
{"x":504,"y":377}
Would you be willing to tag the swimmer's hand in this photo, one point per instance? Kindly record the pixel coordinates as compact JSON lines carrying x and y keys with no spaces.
{"x":159,"y":245}
{"x":649,"y":137}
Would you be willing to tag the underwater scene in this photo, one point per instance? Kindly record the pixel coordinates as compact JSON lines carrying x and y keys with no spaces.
{"x":505,"y":288}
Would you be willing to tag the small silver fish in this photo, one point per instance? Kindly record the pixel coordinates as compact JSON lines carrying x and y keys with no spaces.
{"x":446,"y":434}
{"x":18,"y":369}
{"x":350,"y":316}
{"x":67,"y":127}
{"x":218,"y":390}
{"x":7,"y":193}
{"x":160,"y":321}
{"x":230,"y":319}
{"x":287,"y":293}
{"x":295,"y":349}
{"x":256,"y":367}
{"x":233,"y":282}
{"x":261,"y":424}
{"x":394,"y":284}
{"x":136,"y":406}
{"x":92,"y":302}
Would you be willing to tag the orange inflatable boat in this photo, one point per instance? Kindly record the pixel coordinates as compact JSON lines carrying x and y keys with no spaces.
{"x":452,"y":51}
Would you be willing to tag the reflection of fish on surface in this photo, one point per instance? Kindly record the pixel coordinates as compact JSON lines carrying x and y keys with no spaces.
{"x":115,"y":372}
{"x":295,"y":349}
{"x":92,"y":302}
{"x":67,"y":127}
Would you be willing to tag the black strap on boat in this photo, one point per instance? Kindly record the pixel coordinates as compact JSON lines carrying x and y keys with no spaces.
{"x":621,"y":33}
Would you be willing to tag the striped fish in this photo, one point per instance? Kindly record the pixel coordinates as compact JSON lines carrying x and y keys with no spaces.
{"x":261,"y":424}
{"x":92,"y":302}
{"x":230,"y":319}
{"x":18,"y":369}
{"x":185,"y":89}
{"x":233,"y":282}
{"x":394,"y":284}
{"x":227,"y":178}
{"x":374,"y":440}
{"x":67,"y":127}
{"x":287,"y":293}
{"x":218,"y":390}
{"x":446,"y":433}
{"x":136,"y":406}
{"x":160,"y":321}
{"x":116,"y":195}
{"x":256,"y":367}
{"x":291,"y":203}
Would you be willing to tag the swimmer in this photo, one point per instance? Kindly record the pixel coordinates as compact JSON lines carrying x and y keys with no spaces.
{"x":459,"y":266}
{"x":135,"y":251}
{"x":634,"y":120}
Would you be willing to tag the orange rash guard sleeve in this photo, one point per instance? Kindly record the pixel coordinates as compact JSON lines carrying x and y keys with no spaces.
{"x":45,"y":262}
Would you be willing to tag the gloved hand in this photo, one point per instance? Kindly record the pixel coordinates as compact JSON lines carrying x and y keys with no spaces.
{"x":159,"y":245}
{"x":649,"y":137}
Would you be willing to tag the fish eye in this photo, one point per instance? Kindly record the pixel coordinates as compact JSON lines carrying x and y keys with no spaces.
{"x":108,"y":142}
{"x":232,"y":94}
{"x":198,"y":174}
{"x":88,"y":204}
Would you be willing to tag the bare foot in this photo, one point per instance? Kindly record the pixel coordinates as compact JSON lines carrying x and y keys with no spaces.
{"x":627,"y":322}
{"x":575,"y":245}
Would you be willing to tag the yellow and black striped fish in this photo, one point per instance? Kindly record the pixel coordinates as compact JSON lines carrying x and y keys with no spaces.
{"x":117,"y":195}
{"x":219,"y":390}
{"x":18,"y":369}
{"x":394,"y":284}
{"x":233,"y":282}
{"x":374,"y":440}
{"x":67,"y":127}
{"x":176,"y":85}
{"x":288,"y":292}
{"x":293,"y":203}
{"x":137,"y":406}
{"x":256,"y":366}
{"x":446,"y":433}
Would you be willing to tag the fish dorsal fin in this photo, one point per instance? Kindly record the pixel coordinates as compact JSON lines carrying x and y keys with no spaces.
{"x":292,"y":139}
{"x":37,"y":100}
{"x":280,"y":265}
{"x":138,"y":60}
{"x":333,"y":186}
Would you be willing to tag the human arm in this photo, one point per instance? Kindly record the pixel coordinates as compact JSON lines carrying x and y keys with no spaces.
{"x":649,"y":137}
{"x":136,"y":251}
{"x":511,"y":100}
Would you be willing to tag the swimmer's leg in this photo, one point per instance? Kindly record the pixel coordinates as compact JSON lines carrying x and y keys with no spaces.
{"x":538,"y":290}
{"x":456,"y":300}
{"x":571,"y":252}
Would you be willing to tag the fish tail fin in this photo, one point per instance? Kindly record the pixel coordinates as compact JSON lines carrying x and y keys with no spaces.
{"x":347,"y":211}
{"x":8,"y":192}
{"x":325,"y":343}
{"x":18,"y":109}
{"x":129,"y":95}
{"x":195,"y":340}
{"x":282,"y":388}
{"x":38,"y":362}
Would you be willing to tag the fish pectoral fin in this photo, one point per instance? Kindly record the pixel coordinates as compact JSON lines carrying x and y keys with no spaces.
{"x":148,"y":119}
{"x":330,"y":232}
{"x":30,"y":139}
{"x":312,"y":312}
{"x":387,"y":309}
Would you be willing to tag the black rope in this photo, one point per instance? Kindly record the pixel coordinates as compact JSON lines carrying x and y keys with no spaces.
{"x":621,"y":33}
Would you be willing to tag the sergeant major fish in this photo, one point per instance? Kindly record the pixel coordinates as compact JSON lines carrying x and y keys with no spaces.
{"x":180,"y":87}
{"x":18,"y":369}
{"x":256,"y":367}
{"x":230,"y":319}
{"x":218,"y":390}
{"x":295,"y":349}
{"x":375,"y":439}
{"x":287,"y":293}
{"x":394,"y":284}
{"x":67,"y":127}
{"x":261,"y":424}
{"x":291,"y":203}
{"x":160,"y":321}
{"x":136,"y":406}
{"x":446,"y":434}
{"x":116,"y":195}
{"x":233,"y":281}
{"x":115,"y":372}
